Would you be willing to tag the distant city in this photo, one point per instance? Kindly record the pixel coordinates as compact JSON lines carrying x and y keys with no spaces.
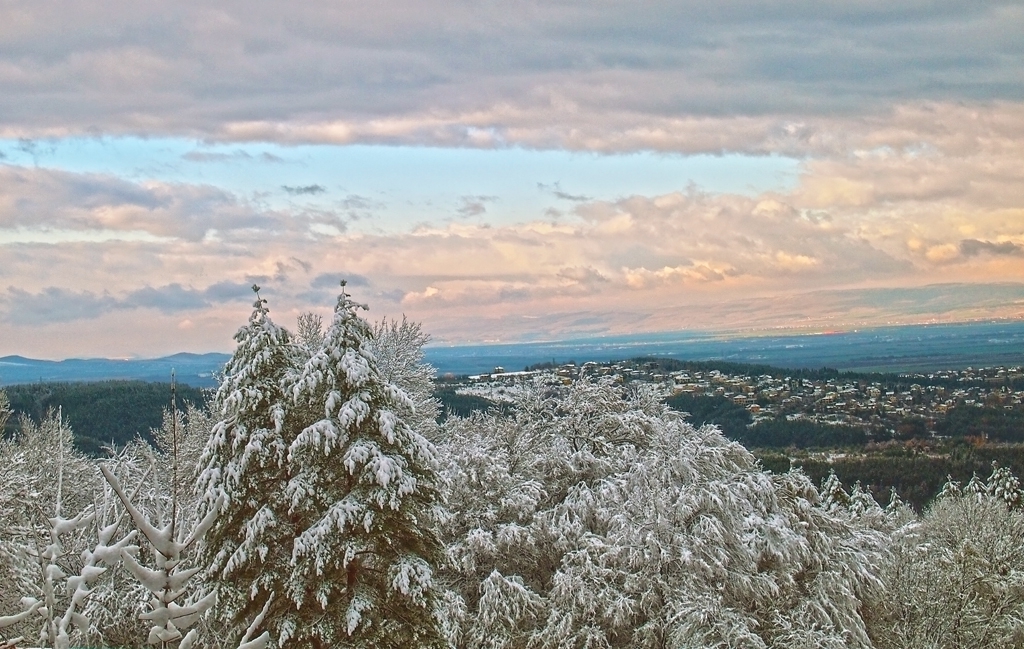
{"x":875,"y":402}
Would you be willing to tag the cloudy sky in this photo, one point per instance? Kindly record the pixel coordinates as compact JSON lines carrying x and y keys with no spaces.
{"x":505,"y":171}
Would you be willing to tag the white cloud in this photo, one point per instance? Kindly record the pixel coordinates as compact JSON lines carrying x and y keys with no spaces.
{"x":58,"y":305}
{"x":600,"y":76}
{"x":47,"y":200}
{"x":604,"y":256}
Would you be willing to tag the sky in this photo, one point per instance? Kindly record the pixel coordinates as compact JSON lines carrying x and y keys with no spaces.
{"x":505,"y":171}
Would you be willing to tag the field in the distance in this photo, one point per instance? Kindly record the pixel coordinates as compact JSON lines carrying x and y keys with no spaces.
{"x":908,"y":348}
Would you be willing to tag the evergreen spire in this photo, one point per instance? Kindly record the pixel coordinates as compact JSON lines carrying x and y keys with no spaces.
{"x":244,"y":462}
{"x":364,"y":486}
{"x":331,"y":494}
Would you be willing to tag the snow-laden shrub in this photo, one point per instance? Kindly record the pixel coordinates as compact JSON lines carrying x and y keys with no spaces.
{"x":594,"y":517}
{"x":955,"y":577}
{"x":59,"y":533}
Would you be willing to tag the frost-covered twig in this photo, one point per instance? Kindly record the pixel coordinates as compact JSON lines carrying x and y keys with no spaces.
{"x":57,"y":571}
{"x":32,"y":606}
{"x":261,"y":641}
{"x":168,"y":580}
{"x":105,"y":552}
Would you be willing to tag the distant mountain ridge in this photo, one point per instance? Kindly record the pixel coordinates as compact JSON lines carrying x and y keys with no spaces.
{"x":901,"y":348}
{"x":197,"y":370}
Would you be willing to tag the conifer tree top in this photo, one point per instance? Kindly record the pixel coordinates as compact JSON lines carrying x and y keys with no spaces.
{"x":329,"y":491}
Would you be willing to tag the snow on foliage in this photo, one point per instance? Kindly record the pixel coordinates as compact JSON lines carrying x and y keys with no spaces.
{"x":243,"y":463}
{"x":52,"y":561}
{"x":594,"y":517}
{"x":577,"y":516}
{"x":955,"y":577}
{"x":398,"y":348}
{"x":330,"y":494}
{"x":166,"y":581}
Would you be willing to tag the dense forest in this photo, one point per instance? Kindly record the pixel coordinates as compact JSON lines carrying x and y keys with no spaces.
{"x":970,"y":440}
{"x":106,"y":414}
{"x":917,"y":472}
{"x":996,"y":424}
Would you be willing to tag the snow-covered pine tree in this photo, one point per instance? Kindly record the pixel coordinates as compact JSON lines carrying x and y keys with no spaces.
{"x":833,"y":496}
{"x":1005,"y":486}
{"x":327,"y":531}
{"x":363,"y":489}
{"x":248,"y":549}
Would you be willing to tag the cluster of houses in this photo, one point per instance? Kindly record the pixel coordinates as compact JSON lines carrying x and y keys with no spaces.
{"x":875,"y":401}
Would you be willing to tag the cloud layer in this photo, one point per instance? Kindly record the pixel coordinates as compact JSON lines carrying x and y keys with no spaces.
{"x":598,"y":76}
{"x":54,"y":305}
{"x":907,"y":120}
{"x":912,"y":202}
